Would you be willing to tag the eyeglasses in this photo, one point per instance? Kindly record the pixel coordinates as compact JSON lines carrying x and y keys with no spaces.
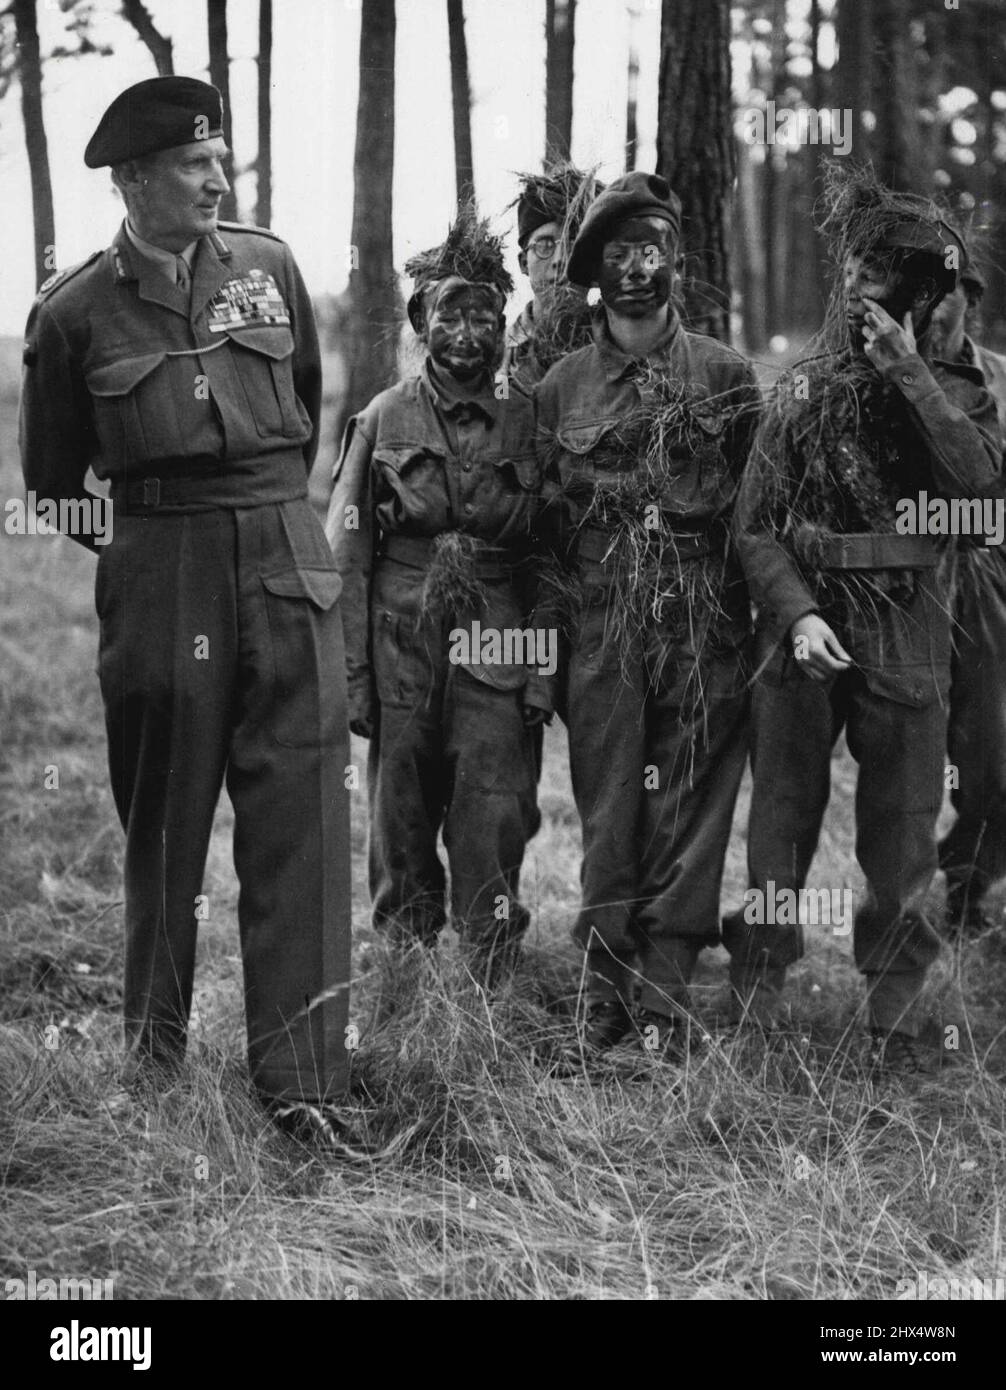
{"x":543,"y":248}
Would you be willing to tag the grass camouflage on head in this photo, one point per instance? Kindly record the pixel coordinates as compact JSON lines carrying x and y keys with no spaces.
{"x":562,"y":194}
{"x":862,"y":217}
{"x":470,"y":253}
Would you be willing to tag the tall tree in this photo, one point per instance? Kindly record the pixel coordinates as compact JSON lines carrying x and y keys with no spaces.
{"x":632,"y":90}
{"x":898,"y":138}
{"x":461,"y":102}
{"x":371,"y":339}
{"x":216,"y":17}
{"x":160,"y":46}
{"x":560,"y":33}
{"x":263,"y":164}
{"x":30,"y":73}
{"x":695,"y":149}
{"x":852,"y":81}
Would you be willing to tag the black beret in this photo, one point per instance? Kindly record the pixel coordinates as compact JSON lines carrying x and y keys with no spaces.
{"x":554,"y":197}
{"x":633,"y":195}
{"x":157,"y":114}
{"x":974,"y":276}
{"x":930,"y":236}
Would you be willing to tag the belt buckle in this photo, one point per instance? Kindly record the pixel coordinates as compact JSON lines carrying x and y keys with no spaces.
{"x":151,"y":492}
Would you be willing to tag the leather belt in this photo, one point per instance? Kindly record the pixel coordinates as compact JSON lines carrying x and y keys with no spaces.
{"x":867,"y":551}
{"x":491,"y":562}
{"x":593,"y":545}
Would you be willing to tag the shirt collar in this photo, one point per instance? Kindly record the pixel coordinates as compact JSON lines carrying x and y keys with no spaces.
{"x":165,"y":261}
{"x":454,"y":398}
{"x":618,"y":364}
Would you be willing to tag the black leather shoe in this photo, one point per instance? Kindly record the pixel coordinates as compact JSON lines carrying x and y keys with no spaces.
{"x":608,"y":1021}
{"x":314,"y":1126}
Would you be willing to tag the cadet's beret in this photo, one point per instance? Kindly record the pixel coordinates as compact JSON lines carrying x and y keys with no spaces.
{"x":552,"y":198}
{"x":155,"y":115}
{"x":974,"y":276}
{"x":930,"y":235}
{"x":633,"y":195}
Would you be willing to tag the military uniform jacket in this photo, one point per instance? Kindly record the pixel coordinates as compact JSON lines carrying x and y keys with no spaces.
{"x":125,"y":372}
{"x":951,"y":440}
{"x":422,"y":459}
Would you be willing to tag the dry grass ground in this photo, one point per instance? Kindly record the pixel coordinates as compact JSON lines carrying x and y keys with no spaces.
{"x":758,"y":1172}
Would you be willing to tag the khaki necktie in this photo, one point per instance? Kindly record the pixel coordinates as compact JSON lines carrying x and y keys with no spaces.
{"x":182,"y":278}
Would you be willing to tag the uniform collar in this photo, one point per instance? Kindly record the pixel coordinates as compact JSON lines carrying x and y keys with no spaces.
{"x":618,"y":364}
{"x":454,"y":398}
{"x":521,"y":330}
{"x":210,"y":271}
{"x":166,"y":261}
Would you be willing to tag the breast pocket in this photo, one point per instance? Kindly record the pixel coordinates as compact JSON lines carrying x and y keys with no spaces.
{"x":413,"y":481}
{"x":264,"y":361}
{"x":594,"y":444}
{"x":135,"y":409}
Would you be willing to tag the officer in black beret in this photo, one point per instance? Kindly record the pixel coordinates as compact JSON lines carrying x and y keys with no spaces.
{"x":182,"y":363}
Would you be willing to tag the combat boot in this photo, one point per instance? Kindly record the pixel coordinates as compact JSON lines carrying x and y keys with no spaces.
{"x":607,"y":1023}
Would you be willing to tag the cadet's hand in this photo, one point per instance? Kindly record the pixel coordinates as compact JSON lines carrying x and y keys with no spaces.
{"x":886,"y":342}
{"x":817,"y":649}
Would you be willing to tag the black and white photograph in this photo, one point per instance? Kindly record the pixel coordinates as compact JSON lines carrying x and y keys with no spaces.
{"x":503,"y":665}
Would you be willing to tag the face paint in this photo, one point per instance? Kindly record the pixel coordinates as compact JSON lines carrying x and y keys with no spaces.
{"x":463,"y":330}
{"x":636,"y":268}
{"x":865,"y":277}
{"x":947,"y":332}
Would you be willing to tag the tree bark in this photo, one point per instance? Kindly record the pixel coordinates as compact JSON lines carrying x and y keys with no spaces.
{"x":373,"y":319}
{"x":30,"y":73}
{"x":159,"y":45}
{"x":263,"y":164}
{"x":695,"y":149}
{"x":852,"y":78}
{"x":632,"y":91}
{"x":461,"y":103}
{"x":216,"y":15}
{"x":560,"y":33}
{"x":899,"y":155}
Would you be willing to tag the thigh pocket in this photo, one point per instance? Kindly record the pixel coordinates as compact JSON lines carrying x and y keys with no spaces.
{"x":300,"y":604}
{"x":403,"y":669}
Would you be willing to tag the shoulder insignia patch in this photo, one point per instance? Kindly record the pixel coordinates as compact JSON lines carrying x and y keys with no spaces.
{"x":60,"y":277}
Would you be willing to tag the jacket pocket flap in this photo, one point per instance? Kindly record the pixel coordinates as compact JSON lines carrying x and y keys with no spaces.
{"x":119,"y":378}
{"x":321,"y":586}
{"x":276,"y":342}
{"x":525,"y":467}
{"x":402,"y":456}
{"x":580,"y":439}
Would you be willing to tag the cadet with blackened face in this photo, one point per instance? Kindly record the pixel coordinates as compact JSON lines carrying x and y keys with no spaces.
{"x":637,"y":267}
{"x":645,"y":433}
{"x":462,"y":326}
{"x":431,"y":523}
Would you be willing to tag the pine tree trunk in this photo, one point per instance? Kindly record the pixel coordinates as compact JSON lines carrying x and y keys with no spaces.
{"x":560,"y":33}
{"x":263,"y":207}
{"x":852,"y":76}
{"x":695,"y":149}
{"x":632,"y":91}
{"x":371,"y":340}
{"x":160,"y":47}
{"x":30,"y":72}
{"x":899,"y":156}
{"x":216,"y":16}
{"x":461,"y":103}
